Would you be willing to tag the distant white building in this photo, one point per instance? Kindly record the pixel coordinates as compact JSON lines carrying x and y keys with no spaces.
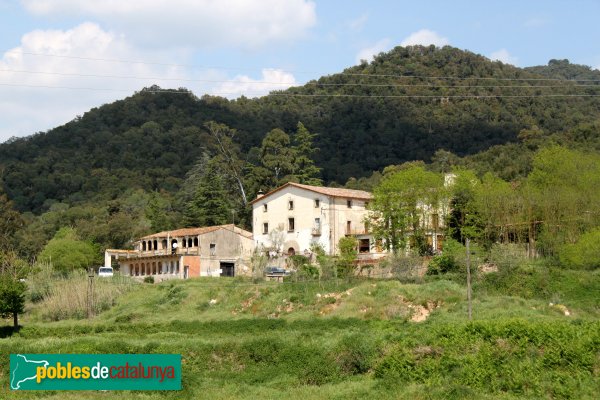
{"x":293,"y":217}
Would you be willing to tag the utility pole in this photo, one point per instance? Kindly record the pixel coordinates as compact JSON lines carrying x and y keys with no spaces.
{"x":90,"y":293}
{"x":469,"y":279}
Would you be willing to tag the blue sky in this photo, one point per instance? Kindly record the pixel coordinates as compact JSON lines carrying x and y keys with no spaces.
{"x":59,"y":58}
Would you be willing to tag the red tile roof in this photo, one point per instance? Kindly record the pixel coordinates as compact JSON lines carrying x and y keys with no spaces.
{"x":198,"y":231}
{"x":333,"y":192}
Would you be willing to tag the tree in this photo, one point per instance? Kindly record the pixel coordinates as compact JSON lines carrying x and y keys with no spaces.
{"x":228,"y":152}
{"x":402,"y":204}
{"x":277,"y":157}
{"x":12,"y":298}
{"x":12,"y":288}
{"x":346,"y":262}
{"x":10,"y":221}
{"x":305,"y":170}
{"x":66,"y":252}
{"x":210,"y":202}
{"x":464,"y":220}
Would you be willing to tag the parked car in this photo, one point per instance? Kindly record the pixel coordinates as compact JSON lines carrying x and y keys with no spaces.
{"x":105,"y":272}
{"x":276,"y":271}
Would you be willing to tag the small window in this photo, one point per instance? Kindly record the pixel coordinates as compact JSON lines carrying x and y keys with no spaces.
{"x":348,"y":227}
{"x":291,"y":224}
{"x":213,"y":249}
{"x":265,"y":228}
{"x":195,"y":242}
{"x":349,"y":203}
{"x":190,"y":242}
{"x":291,"y":205}
{"x":317,"y":203}
{"x":184,"y":243}
{"x":435,"y":221}
{"x":265,"y":207}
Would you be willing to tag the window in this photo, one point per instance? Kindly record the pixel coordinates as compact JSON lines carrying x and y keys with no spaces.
{"x":348,"y":227}
{"x":213,"y":249}
{"x":190,"y":242}
{"x":149,"y":244}
{"x":265,"y":207}
{"x":184,"y":243}
{"x":364,"y":246}
{"x":291,"y":224}
{"x":317,"y":203}
{"x":349,"y":203}
{"x":291,"y":205}
{"x":144,"y":246}
{"x":265,"y":228}
{"x":316,"y":230}
{"x":195,"y":242}
{"x":435,"y":221}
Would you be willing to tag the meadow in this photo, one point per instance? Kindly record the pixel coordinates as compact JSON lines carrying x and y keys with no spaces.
{"x":535,"y":334}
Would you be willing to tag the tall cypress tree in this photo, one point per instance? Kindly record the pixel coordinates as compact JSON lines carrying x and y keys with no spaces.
{"x":305,"y":170}
{"x":210,"y":204}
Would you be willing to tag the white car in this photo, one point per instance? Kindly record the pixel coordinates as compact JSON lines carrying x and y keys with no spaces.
{"x":105,"y":272}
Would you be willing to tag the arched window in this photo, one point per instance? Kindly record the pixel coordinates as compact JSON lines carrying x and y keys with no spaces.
{"x":164,"y":244}
{"x":149,"y":244}
{"x":291,"y":251}
{"x":195,"y":242}
{"x":144,"y":245}
{"x":190,"y":242}
{"x":156,"y":245}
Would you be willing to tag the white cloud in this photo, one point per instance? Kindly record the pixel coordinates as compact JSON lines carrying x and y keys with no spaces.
{"x":425,"y":37}
{"x":504,"y":56}
{"x":35,"y":88}
{"x":198,"y":23}
{"x":368,"y":53}
{"x":272,"y":79}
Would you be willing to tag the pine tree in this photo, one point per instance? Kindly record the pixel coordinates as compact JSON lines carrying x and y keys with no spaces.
{"x":210,"y":203}
{"x":305,"y":170}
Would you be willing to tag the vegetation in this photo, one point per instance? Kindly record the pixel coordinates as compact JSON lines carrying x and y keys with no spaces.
{"x":342,"y":338}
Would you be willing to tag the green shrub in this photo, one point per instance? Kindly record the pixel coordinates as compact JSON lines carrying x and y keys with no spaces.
{"x":149,"y":279}
{"x":585,"y":254}
{"x":356,"y":354}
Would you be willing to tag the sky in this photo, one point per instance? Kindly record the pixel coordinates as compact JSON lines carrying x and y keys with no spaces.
{"x":60,"y":58}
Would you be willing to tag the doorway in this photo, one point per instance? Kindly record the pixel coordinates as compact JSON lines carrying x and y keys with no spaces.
{"x":227,"y":269}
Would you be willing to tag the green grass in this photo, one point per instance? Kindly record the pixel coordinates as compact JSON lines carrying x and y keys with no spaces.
{"x":344,"y":340}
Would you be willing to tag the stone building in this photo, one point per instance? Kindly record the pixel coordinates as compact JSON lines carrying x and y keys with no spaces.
{"x":223,"y":250}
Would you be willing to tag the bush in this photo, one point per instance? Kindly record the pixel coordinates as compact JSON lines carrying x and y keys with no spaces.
{"x":585,"y":254}
{"x":356,"y":354}
{"x":451,"y":259}
{"x":149,"y":279}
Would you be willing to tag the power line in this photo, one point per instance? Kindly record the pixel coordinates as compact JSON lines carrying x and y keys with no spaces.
{"x":366,"y":75}
{"x":567,"y":84}
{"x":314,"y":95}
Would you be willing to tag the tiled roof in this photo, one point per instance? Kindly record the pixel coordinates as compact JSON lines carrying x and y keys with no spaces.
{"x":328,"y":191}
{"x":198,"y":231}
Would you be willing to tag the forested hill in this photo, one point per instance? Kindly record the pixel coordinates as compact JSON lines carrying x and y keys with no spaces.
{"x":403,"y":106}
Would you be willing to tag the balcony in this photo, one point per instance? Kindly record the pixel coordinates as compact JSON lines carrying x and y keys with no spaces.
{"x":316,"y":231}
{"x":356,"y":232}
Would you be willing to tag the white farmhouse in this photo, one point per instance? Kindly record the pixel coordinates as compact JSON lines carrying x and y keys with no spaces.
{"x":293,"y":217}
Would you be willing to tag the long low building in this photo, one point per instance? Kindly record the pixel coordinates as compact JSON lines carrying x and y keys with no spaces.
{"x":223,"y":250}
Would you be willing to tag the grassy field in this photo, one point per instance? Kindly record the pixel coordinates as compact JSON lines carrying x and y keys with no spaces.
{"x":337,"y":339}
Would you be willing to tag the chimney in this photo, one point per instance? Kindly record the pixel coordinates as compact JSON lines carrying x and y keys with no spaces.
{"x":260,"y":194}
